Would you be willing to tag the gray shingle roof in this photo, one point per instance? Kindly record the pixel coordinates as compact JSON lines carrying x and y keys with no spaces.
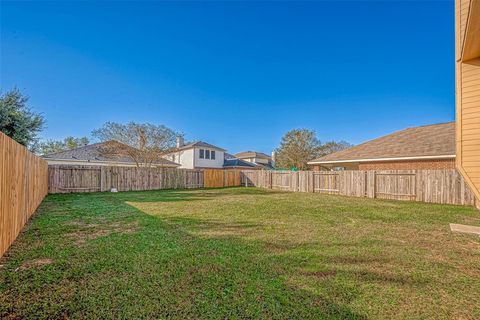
{"x":95,"y":152}
{"x":252,"y":154}
{"x":238,"y":163}
{"x":198,"y":144}
{"x":431,"y":140}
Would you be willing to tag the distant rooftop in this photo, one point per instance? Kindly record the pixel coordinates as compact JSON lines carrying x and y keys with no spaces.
{"x":96,"y":152}
{"x":197,"y":144}
{"x":424,"y":141}
{"x":238,"y":163}
{"x":252,"y":154}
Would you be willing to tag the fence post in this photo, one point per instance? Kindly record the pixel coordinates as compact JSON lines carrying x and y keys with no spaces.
{"x":366,"y":184}
{"x":311,"y":182}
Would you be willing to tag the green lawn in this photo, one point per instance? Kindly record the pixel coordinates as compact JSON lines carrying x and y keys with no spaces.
{"x":241,"y":253}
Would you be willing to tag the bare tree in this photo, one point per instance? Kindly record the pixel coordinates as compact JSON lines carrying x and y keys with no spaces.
{"x":144,"y":143}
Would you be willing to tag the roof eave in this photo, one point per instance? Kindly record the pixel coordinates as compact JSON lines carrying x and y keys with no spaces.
{"x":170,"y":163}
{"x":382,"y":159}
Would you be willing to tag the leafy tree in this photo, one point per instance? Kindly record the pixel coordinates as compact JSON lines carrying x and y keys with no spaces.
{"x":144,"y":143}
{"x":17,"y":120}
{"x":299,"y":146}
{"x":332,"y":147}
{"x":69,"y":143}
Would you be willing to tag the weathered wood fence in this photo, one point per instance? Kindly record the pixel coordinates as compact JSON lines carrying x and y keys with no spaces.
{"x":68,"y":178}
{"x":435,"y":186}
{"x":23,"y":185}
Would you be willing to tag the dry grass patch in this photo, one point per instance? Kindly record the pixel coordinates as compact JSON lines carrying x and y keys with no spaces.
{"x":37,"y":263}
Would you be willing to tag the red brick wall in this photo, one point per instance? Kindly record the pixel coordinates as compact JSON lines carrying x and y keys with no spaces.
{"x":409,"y":165}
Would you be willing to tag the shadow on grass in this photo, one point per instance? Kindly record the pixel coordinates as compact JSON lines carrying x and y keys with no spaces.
{"x":163,"y":270}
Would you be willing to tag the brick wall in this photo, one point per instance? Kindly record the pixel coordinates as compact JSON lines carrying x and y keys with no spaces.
{"x":409,"y":165}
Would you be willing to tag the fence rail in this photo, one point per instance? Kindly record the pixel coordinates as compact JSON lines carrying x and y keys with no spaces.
{"x":68,"y":178}
{"x":434,"y":186}
{"x":74,"y":178}
{"x":23,"y":185}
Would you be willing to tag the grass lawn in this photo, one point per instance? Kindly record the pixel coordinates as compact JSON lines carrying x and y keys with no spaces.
{"x":241,"y":253}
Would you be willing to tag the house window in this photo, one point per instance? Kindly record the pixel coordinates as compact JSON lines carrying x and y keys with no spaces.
{"x":212,"y":155}
{"x":207,"y":154}
{"x":202,"y":154}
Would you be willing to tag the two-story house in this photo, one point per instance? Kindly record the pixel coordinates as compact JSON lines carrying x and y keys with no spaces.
{"x":260,"y":159}
{"x":196,"y":155}
{"x":202,"y":155}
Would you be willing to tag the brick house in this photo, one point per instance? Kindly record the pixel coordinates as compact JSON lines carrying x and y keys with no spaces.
{"x":425,"y":147}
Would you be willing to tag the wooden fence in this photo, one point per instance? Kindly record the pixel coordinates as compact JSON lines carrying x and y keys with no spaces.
{"x":70,"y":178}
{"x":215,"y":178}
{"x":435,"y":186}
{"x":23,"y":185}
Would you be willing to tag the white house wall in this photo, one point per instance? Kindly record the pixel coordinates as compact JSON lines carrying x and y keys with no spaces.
{"x":209,"y":163}
{"x":184,"y":158}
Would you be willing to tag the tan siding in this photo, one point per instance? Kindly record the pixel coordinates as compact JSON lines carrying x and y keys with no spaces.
{"x":468,"y":92}
{"x":464,"y":10}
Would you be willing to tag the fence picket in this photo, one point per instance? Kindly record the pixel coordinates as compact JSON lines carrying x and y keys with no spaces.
{"x":434,"y":186}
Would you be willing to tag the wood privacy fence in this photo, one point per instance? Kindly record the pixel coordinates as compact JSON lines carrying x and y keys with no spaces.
{"x":69,"y":178}
{"x":23,"y":185}
{"x":215,"y":178}
{"x":435,"y":186}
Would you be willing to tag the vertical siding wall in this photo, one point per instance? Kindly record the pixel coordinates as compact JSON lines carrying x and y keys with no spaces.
{"x":434,"y":186}
{"x":23,"y":185}
{"x":467,"y":66}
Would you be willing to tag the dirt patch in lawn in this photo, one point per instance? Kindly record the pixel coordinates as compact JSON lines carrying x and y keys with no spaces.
{"x":37,"y":263}
{"x":94,"y":231}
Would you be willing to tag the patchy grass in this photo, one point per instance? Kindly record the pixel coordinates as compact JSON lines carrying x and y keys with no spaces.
{"x":241,"y":253}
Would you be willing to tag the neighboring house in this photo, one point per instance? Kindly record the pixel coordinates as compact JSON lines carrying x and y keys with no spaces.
{"x":467,"y":83}
{"x":96,"y":155}
{"x":424,"y":147}
{"x":202,"y":155}
{"x":196,"y":155}
{"x":259,"y":158}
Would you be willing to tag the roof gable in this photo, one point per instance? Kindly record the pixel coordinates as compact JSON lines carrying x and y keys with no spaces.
{"x":196,"y":144}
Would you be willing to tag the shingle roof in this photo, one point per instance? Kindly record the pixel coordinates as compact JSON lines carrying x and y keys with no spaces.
{"x":424,"y":141}
{"x":197,"y":144}
{"x":238,"y":163}
{"x":95,"y":152}
{"x":252,"y":154}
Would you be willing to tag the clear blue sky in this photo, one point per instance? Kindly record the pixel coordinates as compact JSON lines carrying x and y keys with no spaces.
{"x":235,"y":74}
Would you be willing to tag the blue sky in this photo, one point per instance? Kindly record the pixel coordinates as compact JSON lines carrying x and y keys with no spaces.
{"x":235,"y":74}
